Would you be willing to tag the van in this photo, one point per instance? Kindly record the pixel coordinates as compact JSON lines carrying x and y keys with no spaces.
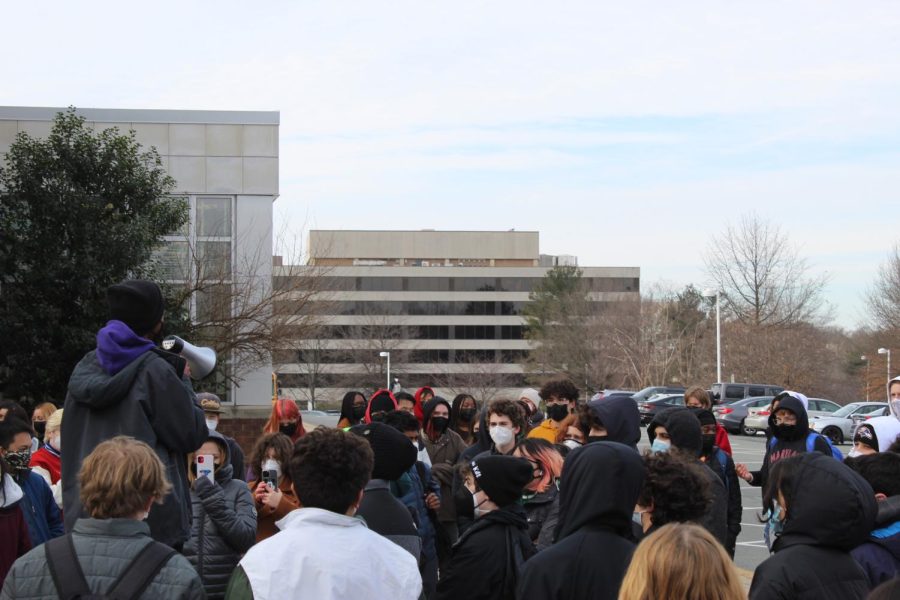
{"x":723,"y":393}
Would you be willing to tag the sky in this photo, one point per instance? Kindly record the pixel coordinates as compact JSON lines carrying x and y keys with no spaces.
{"x":628,"y":134}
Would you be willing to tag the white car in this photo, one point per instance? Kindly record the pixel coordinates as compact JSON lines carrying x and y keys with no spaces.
{"x":758,"y":418}
{"x":839,"y":426}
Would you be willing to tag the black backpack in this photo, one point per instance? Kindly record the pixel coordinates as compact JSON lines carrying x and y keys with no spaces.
{"x":70,"y":583}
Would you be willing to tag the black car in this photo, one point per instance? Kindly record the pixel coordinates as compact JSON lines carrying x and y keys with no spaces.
{"x":649,"y":408}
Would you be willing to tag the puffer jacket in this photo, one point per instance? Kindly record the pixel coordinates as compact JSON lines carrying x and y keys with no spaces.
{"x":105,"y":548}
{"x":830,"y":510}
{"x":542,"y":511}
{"x":223,"y":526}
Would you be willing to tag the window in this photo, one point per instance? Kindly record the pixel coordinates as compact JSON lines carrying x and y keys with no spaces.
{"x":213,"y":217}
{"x":215,"y":260}
{"x":757,"y":391}
{"x":173,"y":260}
{"x":734,"y":391}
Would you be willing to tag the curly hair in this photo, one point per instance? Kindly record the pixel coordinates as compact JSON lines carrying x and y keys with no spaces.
{"x":676,"y":486}
{"x":330,"y":468}
{"x":283,"y":447}
{"x":586,"y":419}
{"x":561,"y":387}
{"x":508,"y":408}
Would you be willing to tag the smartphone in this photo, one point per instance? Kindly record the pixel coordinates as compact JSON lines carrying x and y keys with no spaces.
{"x":205,"y":466}
{"x":270,"y":477}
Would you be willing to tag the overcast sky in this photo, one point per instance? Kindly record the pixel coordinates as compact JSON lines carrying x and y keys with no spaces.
{"x":627,"y":133}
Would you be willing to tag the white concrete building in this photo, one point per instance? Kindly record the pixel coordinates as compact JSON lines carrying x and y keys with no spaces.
{"x":225,"y":164}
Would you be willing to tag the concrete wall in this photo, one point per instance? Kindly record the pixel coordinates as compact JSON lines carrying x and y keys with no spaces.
{"x":424,"y":244}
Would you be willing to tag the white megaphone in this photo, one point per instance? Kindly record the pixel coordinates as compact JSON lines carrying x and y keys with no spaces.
{"x":202,"y":360}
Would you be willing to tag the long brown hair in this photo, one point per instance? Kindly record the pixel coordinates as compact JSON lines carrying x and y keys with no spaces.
{"x":681,"y":561}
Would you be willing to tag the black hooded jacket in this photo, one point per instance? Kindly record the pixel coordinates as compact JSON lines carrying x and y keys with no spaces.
{"x":599,"y":488}
{"x":683,"y":428}
{"x":621,"y":418}
{"x":830,"y":510}
{"x":486,"y":561}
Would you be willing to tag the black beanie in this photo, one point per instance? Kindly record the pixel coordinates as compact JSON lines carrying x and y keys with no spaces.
{"x":502,"y":477}
{"x":704,"y":415}
{"x":394,"y":453}
{"x":137,"y":303}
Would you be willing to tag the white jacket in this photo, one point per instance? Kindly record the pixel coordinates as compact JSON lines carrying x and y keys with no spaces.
{"x":323,"y":555}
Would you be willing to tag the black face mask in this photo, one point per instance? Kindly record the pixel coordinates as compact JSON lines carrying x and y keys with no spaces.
{"x":467,"y":414}
{"x":596,"y":438}
{"x":359,"y":412}
{"x":709,"y":441}
{"x":288,"y":429}
{"x":558,"y":412}
{"x":440,"y":423}
{"x":786,"y":432}
{"x":39,"y":428}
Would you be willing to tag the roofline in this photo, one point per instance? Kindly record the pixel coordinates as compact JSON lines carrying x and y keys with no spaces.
{"x":129,"y":115}
{"x":424,"y":231}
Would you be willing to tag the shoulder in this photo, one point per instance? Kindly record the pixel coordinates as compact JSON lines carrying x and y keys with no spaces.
{"x":177,"y":575}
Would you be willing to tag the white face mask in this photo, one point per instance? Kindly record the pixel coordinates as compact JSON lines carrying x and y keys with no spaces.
{"x":572,"y":444}
{"x":56,"y":442}
{"x":271,"y":464}
{"x":854,"y":453}
{"x":502,"y":436}
{"x":211,"y":424}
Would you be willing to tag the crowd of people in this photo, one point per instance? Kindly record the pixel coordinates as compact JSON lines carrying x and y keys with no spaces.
{"x":129,"y":491}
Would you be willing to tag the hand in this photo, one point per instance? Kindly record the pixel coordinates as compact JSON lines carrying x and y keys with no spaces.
{"x":743,"y":472}
{"x":273,"y":499}
{"x":261,"y":493}
{"x":187,"y":369}
{"x":432,"y":501}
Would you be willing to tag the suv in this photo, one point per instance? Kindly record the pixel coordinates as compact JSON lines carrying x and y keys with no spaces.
{"x":647,"y":392}
{"x":723,"y":393}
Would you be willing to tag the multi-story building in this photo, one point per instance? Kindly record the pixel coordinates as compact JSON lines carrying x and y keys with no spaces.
{"x":225,"y":164}
{"x":446,"y":305}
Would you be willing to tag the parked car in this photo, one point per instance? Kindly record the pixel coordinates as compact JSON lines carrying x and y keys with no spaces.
{"x":648,"y":392}
{"x":725,"y":393}
{"x":731,"y":416}
{"x":649,"y":408}
{"x":758,"y":418}
{"x":839,"y":426}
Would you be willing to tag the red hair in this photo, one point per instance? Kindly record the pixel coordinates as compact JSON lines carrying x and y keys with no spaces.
{"x":285,"y":408}
{"x":542,"y":452}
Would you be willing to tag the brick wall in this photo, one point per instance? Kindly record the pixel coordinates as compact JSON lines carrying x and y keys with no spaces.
{"x":246,"y":430}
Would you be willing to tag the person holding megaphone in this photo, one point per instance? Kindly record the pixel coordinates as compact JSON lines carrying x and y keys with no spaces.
{"x":129,"y":386}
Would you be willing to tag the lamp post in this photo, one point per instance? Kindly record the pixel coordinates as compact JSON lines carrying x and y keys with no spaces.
{"x":715,"y":294}
{"x":865,"y":358}
{"x":387,"y":355}
{"x":887,"y":385}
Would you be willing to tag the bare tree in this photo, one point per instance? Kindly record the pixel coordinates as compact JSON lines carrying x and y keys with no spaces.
{"x":481,"y":379}
{"x":762,"y":276}
{"x":883,"y":298}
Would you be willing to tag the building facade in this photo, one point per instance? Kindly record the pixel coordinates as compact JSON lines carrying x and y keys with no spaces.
{"x":446,"y":305}
{"x":225,"y":165}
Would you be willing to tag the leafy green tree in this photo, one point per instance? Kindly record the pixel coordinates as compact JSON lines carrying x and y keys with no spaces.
{"x":79,"y":210}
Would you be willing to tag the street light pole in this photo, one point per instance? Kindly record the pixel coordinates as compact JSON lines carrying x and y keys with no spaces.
{"x":387,"y":355}
{"x":888,"y":383}
{"x":865,"y":358}
{"x":710,"y":294}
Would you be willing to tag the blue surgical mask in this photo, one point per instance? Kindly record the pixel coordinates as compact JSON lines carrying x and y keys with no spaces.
{"x":660,"y":446}
{"x":776,"y":523}
{"x":636,"y":517}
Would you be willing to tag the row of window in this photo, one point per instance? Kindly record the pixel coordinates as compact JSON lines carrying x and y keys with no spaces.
{"x":345,"y":357}
{"x":466,"y":284}
{"x":421,"y":332}
{"x":457,"y":380}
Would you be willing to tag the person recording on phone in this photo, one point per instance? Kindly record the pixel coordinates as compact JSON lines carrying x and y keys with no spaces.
{"x":272,"y":487}
{"x":224,"y":523}
{"x":129,"y":386}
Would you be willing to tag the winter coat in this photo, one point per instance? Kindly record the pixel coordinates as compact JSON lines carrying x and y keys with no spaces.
{"x":386,"y":515}
{"x":39,"y":508}
{"x":880,"y":555}
{"x":266,"y":515}
{"x":322,"y":555}
{"x":547,"y":431}
{"x":223,"y":526}
{"x":723,"y":466}
{"x":599,"y":488}
{"x":486,"y":560}
{"x":105,"y":548}
{"x":411,"y":490}
{"x":14,"y":539}
{"x":831,"y":511}
{"x":722,"y":440}
{"x":542,"y":512}
{"x":621,"y":418}
{"x":444,"y":454}
{"x":48,"y":459}
{"x":150,"y":400}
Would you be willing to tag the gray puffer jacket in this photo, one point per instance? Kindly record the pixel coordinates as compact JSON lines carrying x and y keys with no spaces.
{"x":105,"y":548}
{"x":223,"y":526}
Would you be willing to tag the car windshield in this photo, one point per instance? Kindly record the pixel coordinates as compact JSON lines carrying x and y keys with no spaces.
{"x":845,"y":411}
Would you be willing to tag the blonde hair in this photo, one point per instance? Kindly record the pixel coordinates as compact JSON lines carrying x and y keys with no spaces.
{"x":45,"y":409}
{"x":700,"y":394}
{"x":119,"y":477}
{"x":54,"y":423}
{"x":683,"y":562}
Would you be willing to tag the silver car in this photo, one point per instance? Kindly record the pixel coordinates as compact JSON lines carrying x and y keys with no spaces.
{"x":758,"y":418}
{"x":840,"y":425}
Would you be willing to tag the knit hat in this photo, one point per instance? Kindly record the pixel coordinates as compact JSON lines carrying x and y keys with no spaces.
{"x":502,"y":477}
{"x":137,"y":303}
{"x":210,"y":402}
{"x":533,"y":396}
{"x":866,"y":435}
{"x":394,"y":454}
{"x":705,"y":415}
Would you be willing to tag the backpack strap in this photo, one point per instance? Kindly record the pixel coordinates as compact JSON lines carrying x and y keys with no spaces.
{"x":811,"y":441}
{"x":68,"y":577}
{"x":723,"y":464}
{"x":143,"y":569}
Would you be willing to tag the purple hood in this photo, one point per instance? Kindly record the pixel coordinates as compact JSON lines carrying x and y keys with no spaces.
{"x":118,"y":346}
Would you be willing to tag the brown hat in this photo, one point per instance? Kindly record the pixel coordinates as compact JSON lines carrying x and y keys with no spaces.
{"x":209,"y":402}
